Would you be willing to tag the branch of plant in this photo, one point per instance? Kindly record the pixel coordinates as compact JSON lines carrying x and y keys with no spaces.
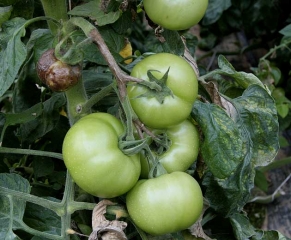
{"x":42,"y":235}
{"x":270,"y":198}
{"x":209,"y":75}
{"x":141,"y":128}
{"x":97,"y":97}
{"x":57,"y":207}
{"x":62,"y":209}
{"x":76,"y":99}
{"x":31,"y":152}
{"x":276,"y":164}
{"x":121,"y":77}
{"x":56,"y":9}
{"x":274,"y":49}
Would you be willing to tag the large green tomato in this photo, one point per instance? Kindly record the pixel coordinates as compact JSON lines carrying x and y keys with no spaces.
{"x":183,"y":148}
{"x":181,"y":82}
{"x":174,"y":14}
{"x":92,"y":156}
{"x":166,"y":204}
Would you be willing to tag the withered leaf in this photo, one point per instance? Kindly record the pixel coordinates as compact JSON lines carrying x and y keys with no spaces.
{"x":103,"y":228}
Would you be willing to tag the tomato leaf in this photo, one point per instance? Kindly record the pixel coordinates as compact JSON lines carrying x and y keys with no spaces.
{"x":25,"y":92}
{"x":172,"y":42}
{"x":215,"y":10}
{"x":269,"y":235}
{"x":243,"y":229}
{"x":286,"y":31}
{"x":235,"y":144}
{"x":242,"y":78}
{"x":48,"y":221}
{"x":42,"y":167}
{"x":124,"y":23}
{"x":45,"y":122}
{"x":261,"y":181}
{"x":226,"y":151}
{"x":258,"y":123}
{"x":5,"y":13}
{"x":283,"y":109}
{"x":114,"y":41}
{"x":23,"y":117}
{"x":11,"y":208}
{"x":94,"y":11}
{"x":13,"y":56}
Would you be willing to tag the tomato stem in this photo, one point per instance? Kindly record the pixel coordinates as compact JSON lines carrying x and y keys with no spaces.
{"x":31,"y":152}
{"x":97,"y":97}
{"x":156,"y":168}
{"x":276,"y":48}
{"x":76,"y":99}
{"x":56,"y":9}
{"x":121,"y":77}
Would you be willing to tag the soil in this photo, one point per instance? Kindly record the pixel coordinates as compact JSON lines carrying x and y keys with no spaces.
{"x":278,"y":216}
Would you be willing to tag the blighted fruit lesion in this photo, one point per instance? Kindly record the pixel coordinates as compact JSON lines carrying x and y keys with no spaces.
{"x":55,"y":74}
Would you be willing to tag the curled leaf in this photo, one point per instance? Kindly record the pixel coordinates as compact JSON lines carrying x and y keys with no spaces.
{"x":103,"y":228}
{"x":217,"y":99}
{"x":197,"y":230}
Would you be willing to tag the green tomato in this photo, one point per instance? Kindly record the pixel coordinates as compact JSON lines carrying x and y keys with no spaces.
{"x":94,"y":160}
{"x":181,"y":81}
{"x":166,"y":204}
{"x":182,"y":152}
{"x":175,"y":15}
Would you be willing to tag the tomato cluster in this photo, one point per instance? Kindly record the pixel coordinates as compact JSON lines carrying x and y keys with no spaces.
{"x":167,"y":202}
{"x":172,"y":201}
{"x":161,"y":197}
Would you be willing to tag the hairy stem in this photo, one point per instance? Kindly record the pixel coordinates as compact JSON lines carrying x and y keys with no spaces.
{"x":56,"y":9}
{"x":273,"y":50}
{"x":31,"y":152}
{"x":76,"y":99}
{"x":121,"y":77}
{"x":97,"y":97}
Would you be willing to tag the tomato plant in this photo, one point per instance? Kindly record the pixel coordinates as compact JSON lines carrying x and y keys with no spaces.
{"x":133,"y":82}
{"x":92,"y":156}
{"x":180,"y":150}
{"x":175,"y":15}
{"x":179,"y":88}
{"x":166,"y":204}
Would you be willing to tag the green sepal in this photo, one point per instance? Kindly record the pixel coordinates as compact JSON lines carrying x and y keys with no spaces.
{"x":159,"y":95}
{"x":132,"y":147}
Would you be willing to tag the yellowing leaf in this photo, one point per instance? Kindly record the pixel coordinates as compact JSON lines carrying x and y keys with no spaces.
{"x":126,"y":52}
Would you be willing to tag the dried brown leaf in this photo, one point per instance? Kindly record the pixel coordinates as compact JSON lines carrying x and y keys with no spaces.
{"x":103,"y":228}
{"x":197,"y":230}
{"x":188,"y":57}
{"x":217,"y":99}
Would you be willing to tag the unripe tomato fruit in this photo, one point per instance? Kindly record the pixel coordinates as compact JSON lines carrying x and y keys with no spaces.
{"x":94,"y":160}
{"x":182,"y":82}
{"x":58,"y":76}
{"x":175,"y":14}
{"x":166,"y":204}
{"x":183,"y":148}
